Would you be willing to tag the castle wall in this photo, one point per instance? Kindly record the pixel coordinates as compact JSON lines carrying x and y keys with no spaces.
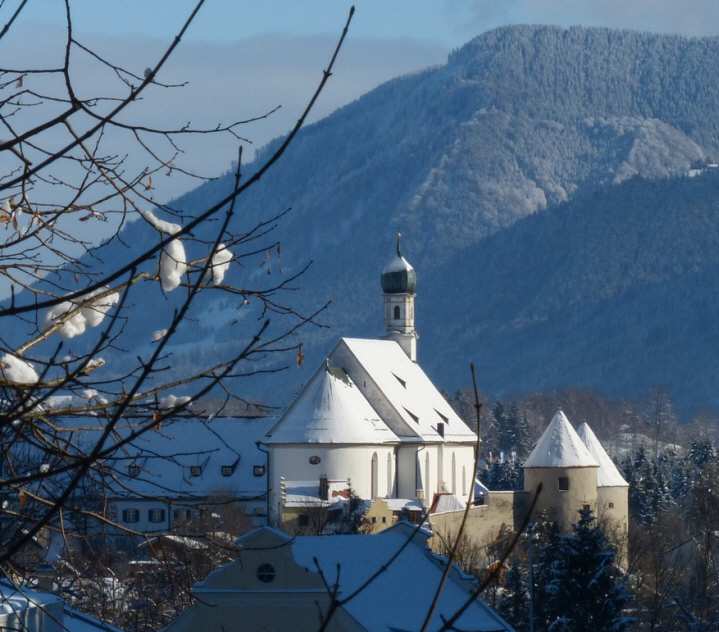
{"x":485,"y":523}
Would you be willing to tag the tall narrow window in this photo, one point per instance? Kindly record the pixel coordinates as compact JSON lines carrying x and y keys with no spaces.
{"x":375,"y":476}
{"x":464,"y":480}
{"x":396,"y":312}
{"x":427,"y":486}
{"x":454,"y":475}
{"x":389,"y":475}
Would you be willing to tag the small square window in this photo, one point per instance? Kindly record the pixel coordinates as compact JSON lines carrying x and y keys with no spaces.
{"x":134,"y":470}
{"x":180,"y":515}
{"x":563,"y":483}
{"x":259,"y":470}
{"x":156,"y":515}
{"x":303,"y":520}
{"x":384,"y":519}
{"x":374,"y":519}
{"x":226,"y":470}
{"x":195,"y":470}
{"x":610,"y":506}
{"x":130,"y":516}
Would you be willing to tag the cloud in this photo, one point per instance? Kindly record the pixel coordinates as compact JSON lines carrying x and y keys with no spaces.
{"x":690,"y":17}
{"x":221,"y":83}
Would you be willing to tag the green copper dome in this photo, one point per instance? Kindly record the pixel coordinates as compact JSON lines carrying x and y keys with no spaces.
{"x":398,"y":277}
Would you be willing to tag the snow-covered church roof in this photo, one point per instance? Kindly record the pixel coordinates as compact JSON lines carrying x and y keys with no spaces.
{"x":401,"y":389}
{"x":607,"y":475}
{"x":560,"y":446}
{"x":331,"y":409}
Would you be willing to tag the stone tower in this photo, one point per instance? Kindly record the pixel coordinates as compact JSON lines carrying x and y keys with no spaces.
{"x":398,"y":285}
{"x":567,"y":471}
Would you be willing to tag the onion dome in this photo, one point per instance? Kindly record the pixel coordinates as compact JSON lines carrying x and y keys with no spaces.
{"x":398,"y":277}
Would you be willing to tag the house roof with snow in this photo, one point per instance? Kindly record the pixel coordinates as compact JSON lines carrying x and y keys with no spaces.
{"x":560,"y":446}
{"x":23,"y":608}
{"x":347,"y":561}
{"x":184,"y":458}
{"x":307,"y":493}
{"x":400,"y":391}
{"x":607,"y":475}
{"x":331,"y":409}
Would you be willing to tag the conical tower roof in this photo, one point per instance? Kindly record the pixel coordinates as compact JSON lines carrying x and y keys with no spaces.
{"x":560,"y":446}
{"x":607,"y":475}
{"x":330,"y":409}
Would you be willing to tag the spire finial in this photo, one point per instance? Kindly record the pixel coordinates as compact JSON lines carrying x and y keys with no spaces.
{"x":399,"y":246}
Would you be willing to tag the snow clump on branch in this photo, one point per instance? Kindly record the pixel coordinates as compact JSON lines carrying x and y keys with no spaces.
{"x":173,"y":261}
{"x":16,"y":370}
{"x":219,"y":265}
{"x":91,"y":314}
{"x":172,"y":401}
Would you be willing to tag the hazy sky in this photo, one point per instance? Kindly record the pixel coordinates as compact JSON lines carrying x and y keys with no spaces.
{"x":242,"y":58}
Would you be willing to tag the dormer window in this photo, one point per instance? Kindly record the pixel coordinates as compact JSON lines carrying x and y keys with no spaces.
{"x":411,"y":414}
{"x":401,"y":381}
{"x":229,"y":470}
{"x":444,"y":418}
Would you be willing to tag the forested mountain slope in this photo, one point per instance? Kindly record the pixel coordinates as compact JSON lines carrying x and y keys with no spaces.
{"x":474,"y":161}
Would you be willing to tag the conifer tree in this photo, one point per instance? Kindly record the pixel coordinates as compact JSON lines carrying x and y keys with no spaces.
{"x":514,"y":602}
{"x":584,"y":592}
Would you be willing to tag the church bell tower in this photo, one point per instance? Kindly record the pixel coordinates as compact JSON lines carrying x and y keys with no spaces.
{"x":398,"y":284}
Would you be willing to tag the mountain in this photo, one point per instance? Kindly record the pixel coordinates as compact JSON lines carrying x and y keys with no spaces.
{"x":539,"y":180}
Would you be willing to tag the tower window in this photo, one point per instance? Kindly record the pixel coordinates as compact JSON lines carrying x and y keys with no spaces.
{"x":396,"y":312}
{"x":563,"y":484}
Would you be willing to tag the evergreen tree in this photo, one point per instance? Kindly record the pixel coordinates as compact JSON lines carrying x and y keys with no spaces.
{"x":514,"y":601}
{"x":503,"y":476}
{"x":583,"y":592}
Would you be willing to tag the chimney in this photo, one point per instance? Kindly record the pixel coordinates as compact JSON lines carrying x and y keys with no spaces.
{"x":324,"y":487}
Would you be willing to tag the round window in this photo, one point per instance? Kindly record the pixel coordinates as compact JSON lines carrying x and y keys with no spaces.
{"x":266,"y":573}
{"x":314,"y":460}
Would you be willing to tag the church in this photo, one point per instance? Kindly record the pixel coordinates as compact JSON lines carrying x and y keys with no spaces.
{"x":369,"y":420}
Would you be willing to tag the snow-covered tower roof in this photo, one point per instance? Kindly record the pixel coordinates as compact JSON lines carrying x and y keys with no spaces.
{"x":331,"y":409}
{"x":607,"y":475}
{"x":560,"y":446}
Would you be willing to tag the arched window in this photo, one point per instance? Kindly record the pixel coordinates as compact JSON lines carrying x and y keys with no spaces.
{"x":396,"y":312}
{"x":427,"y":485}
{"x":389,"y":475}
{"x":375,"y":476}
{"x":454,"y":475}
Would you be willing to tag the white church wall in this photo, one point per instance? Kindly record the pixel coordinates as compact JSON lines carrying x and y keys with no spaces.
{"x":337,"y":462}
